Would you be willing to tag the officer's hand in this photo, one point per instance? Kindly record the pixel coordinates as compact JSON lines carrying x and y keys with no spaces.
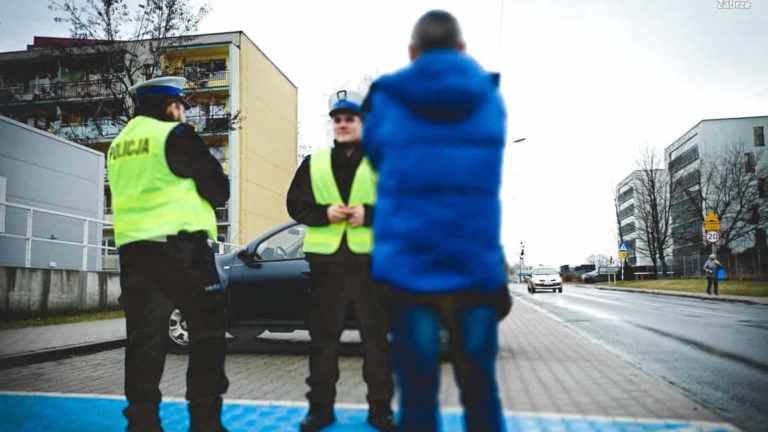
{"x":337,"y":213}
{"x":356,"y":215}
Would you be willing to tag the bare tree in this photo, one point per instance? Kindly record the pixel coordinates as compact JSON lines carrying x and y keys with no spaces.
{"x":125,"y":45}
{"x":652,"y":209}
{"x":115,"y":47}
{"x":599,"y":260}
{"x":727,"y":184}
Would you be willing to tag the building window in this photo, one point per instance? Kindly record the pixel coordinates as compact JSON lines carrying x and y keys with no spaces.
{"x":628,"y":228}
{"x":759,"y":136}
{"x":754,"y":215}
{"x":762,"y":187}
{"x":689,"y":156}
{"x":626,"y":195}
{"x":749,"y":162}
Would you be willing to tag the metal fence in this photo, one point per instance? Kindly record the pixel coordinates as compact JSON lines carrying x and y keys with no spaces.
{"x":40,"y":238}
{"x":36,"y":237}
{"x":751,"y":264}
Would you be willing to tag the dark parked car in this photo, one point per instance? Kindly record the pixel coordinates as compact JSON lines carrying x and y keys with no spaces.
{"x":266,"y":283}
{"x":594,"y":276}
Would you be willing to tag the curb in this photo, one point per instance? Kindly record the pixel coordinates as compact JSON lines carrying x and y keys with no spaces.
{"x":23,"y":359}
{"x":731,"y":299}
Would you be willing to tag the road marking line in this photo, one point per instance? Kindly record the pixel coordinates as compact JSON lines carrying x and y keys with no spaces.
{"x":708,"y":312}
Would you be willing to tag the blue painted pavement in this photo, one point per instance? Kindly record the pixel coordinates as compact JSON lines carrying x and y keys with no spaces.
{"x":64,"y":413}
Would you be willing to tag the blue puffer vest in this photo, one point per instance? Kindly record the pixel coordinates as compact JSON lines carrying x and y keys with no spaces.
{"x":434,"y":133}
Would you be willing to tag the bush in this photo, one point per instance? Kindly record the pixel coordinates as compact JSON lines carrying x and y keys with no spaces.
{"x":571,"y":277}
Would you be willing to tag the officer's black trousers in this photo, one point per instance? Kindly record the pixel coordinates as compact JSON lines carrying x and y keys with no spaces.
{"x":336,"y":285}
{"x":155,"y":278}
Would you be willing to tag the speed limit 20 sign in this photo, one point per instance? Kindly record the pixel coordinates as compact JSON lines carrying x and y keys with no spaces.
{"x":713,"y":236}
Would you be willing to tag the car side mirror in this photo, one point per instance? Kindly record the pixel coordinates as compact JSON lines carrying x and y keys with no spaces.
{"x":248,"y":255}
{"x":243,"y":255}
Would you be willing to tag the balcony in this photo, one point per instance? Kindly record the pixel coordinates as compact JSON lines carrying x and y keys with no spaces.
{"x":90,"y":130}
{"x":213,"y":124}
{"x":200,"y":79}
{"x":52,"y":90}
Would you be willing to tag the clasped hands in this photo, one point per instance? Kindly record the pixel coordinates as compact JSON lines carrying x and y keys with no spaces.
{"x":354,"y":214}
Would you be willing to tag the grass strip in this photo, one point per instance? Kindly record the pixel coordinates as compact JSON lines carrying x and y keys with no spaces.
{"x":729,"y":287}
{"x":60,"y":319}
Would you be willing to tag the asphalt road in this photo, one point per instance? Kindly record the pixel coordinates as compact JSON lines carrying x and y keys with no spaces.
{"x":715,"y":351}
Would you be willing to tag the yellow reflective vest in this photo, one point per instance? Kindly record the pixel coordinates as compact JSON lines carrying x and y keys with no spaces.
{"x":326,"y":239}
{"x":149,"y":201}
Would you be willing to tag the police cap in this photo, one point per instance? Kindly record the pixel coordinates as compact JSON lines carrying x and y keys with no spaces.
{"x":345,"y":100}
{"x":172,"y":86}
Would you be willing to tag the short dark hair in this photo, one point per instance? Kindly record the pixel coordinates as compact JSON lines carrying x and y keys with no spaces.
{"x":436,"y":29}
{"x":154,"y":105}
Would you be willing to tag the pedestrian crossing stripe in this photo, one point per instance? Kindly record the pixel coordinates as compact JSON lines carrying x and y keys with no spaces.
{"x":38,"y":412}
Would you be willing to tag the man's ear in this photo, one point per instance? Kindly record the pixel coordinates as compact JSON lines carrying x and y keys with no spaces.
{"x":413,"y":52}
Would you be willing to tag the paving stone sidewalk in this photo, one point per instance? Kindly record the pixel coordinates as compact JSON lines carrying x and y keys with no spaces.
{"x":29,"y":340}
{"x":543,"y":367}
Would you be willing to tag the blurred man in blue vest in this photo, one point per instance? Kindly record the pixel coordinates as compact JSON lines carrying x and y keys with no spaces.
{"x":434,"y":132}
{"x":333,"y":193}
{"x":165,"y":185}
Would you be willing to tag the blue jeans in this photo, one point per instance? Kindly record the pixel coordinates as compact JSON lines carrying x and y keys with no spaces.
{"x":474,"y":344}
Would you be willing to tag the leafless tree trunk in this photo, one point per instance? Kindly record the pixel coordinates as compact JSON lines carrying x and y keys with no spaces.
{"x":652,"y":211}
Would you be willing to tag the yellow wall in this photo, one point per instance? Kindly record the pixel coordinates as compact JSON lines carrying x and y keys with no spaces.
{"x":268,"y":141}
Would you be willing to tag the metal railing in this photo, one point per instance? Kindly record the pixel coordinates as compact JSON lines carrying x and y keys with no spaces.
{"x":200,"y":78}
{"x":54,"y":90}
{"x":30,"y":237}
{"x":22,"y":227}
{"x":217,"y":123}
{"x":91,"y":129}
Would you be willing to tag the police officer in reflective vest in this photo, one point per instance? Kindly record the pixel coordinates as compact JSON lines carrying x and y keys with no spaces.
{"x":165,"y":185}
{"x":333,"y":193}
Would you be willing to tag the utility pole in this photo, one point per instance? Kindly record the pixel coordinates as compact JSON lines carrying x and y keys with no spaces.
{"x":522,"y":263}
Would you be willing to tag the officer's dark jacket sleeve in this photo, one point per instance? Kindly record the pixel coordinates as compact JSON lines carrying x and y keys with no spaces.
{"x":188,"y":157}
{"x":301,"y":199}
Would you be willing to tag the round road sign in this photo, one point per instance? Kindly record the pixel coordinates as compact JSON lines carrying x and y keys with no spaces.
{"x":713,"y":236}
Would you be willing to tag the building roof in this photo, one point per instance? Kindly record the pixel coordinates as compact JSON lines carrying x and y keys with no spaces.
{"x":43,"y":45}
{"x":709,"y":120}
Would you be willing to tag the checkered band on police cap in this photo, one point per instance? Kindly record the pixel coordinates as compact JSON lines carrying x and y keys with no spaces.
{"x":345,"y":100}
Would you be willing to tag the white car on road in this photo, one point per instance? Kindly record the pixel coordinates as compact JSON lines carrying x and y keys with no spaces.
{"x":544,"y":278}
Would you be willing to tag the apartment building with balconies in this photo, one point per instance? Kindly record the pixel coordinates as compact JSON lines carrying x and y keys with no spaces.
{"x":59,"y":85}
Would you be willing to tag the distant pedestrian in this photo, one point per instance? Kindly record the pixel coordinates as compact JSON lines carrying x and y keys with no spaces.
{"x":710,"y":268}
{"x":165,"y":184}
{"x":435,"y":134}
{"x":333,"y":193}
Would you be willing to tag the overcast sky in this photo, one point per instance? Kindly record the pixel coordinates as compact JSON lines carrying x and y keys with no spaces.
{"x":589,"y":84}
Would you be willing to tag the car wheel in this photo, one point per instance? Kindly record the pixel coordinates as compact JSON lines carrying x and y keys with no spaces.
{"x":533,"y":290}
{"x":178,"y":335}
{"x":559,"y":290}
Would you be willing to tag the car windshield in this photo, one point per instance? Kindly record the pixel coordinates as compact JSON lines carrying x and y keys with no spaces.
{"x":544,"y":271}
